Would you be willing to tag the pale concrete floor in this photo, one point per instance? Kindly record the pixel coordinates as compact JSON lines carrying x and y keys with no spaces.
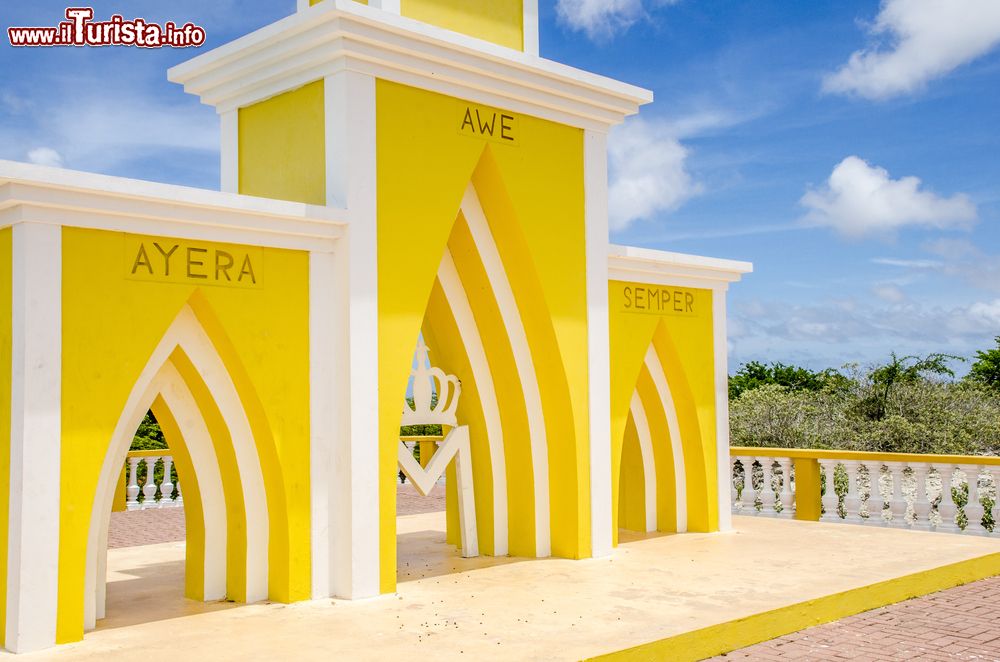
{"x":511,"y":609}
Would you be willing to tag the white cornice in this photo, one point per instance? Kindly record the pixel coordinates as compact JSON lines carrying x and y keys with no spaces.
{"x":31,"y":193}
{"x":645,"y":265}
{"x":334,"y":35}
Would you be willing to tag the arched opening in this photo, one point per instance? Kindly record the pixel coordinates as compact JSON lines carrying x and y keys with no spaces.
{"x":187,"y":386}
{"x":474,"y":324}
{"x":660,"y":465}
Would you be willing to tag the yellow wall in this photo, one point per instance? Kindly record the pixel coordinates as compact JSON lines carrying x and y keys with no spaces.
{"x":111,"y":324}
{"x":499,"y":21}
{"x":681,"y":332}
{"x":531,"y":188}
{"x":5,"y":385}
{"x":282,"y":150}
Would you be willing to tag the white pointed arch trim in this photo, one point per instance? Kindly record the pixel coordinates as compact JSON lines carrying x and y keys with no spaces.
{"x":185,"y":332}
{"x":648,"y":460}
{"x":655,"y":368}
{"x":458,"y":301}
{"x":169,"y":384}
{"x":511,"y":315}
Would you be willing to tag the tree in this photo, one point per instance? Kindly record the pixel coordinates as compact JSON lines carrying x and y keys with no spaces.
{"x":986,"y":368}
{"x":902,"y":370}
{"x":794,"y":378}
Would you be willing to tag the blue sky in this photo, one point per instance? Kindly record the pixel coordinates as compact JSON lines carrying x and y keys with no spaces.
{"x":848,"y":148}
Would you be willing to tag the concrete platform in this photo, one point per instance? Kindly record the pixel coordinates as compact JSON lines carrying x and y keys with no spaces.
{"x":658,"y":597}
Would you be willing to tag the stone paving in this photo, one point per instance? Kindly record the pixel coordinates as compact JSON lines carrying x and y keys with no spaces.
{"x":961,"y":623}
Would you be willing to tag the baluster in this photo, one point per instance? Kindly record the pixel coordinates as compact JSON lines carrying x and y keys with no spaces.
{"x":167,"y":486}
{"x":995,"y":475}
{"x":947,"y":508}
{"x":132,"y":489}
{"x":749,"y":500}
{"x":874,"y":492}
{"x":921,"y":505}
{"x":149,"y":488}
{"x":897,"y":506}
{"x":852,"y":500}
{"x":973,"y":508}
{"x":830,"y":498}
{"x":179,"y":501}
{"x":787,"y":496}
{"x":734,"y":498}
{"x":767,"y":486}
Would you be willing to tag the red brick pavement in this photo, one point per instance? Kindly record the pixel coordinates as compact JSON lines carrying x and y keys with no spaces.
{"x":146,"y":527}
{"x":156,"y":525}
{"x":961,"y":623}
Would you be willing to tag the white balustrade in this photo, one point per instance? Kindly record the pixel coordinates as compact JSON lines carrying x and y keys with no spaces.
{"x":897,"y":506}
{"x":852,"y":500}
{"x":767,"y":499}
{"x":874,"y":503}
{"x":166,"y":487}
{"x":748,"y":500}
{"x":787,"y":495}
{"x":921,"y":504}
{"x":947,"y":510}
{"x":973,"y":508}
{"x":132,"y":490}
{"x":919,"y":495}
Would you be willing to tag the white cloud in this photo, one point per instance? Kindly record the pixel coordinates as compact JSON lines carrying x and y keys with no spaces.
{"x":45,"y":156}
{"x":647,"y":172}
{"x":959,"y":258}
{"x":861,"y":199}
{"x":929,"y":38}
{"x":889,"y":292}
{"x":603,"y":19}
{"x":987,"y":312}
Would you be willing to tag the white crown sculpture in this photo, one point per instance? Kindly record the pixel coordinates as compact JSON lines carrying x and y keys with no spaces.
{"x":427,"y":379}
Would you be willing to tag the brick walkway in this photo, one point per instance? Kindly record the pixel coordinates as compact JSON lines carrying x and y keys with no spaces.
{"x":961,"y":623}
{"x":156,"y":525}
{"x":146,"y":527}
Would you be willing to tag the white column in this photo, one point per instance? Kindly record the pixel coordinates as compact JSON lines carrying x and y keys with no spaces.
{"x":35,"y":437}
{"x":874,"y":492}
{"x":229,"y":165}
{"x":530,"y":26}
{"x":149,"y":489}
{"x":787,"y":496}
{"x":132,"y":489}
{"x":595,"y":179}
{"x":733,"y":493}
{"x":391,"y":6}
{"x":167,"y":486}
{"x":852,"y":500}
{"x":830,"y":498}
{"x":767,"y":498}
{"x":994,"y":472}
{"x":898,"y":504}
{"x":352,"y":482}
{"x":748,"y":499}
{"x":973,"y":508}
{"x":921,"y":505}
{"x":947,"y":508}
{"x":720,"y":350}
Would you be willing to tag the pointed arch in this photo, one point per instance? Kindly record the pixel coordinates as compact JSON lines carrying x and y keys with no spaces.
{"x":503,"y":294}
{"x":638,"y":413}
{"x":461,"y":312}
{"x":188,"y":374}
